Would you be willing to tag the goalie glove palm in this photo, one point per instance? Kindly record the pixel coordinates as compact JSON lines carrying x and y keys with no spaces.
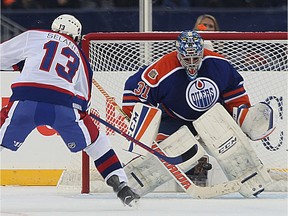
{"x":257,"y":121}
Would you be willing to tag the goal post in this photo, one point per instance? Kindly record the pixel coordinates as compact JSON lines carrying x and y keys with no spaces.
{"x":261,"y":58}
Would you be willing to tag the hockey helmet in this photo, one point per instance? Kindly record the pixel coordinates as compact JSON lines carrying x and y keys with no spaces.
{"x":69,"y":25}
{"x":190,"y":48}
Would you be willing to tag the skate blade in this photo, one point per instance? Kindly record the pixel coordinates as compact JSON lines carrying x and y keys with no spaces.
{"x":133,"y":204}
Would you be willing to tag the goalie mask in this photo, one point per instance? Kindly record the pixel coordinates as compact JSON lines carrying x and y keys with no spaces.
{"x":190,"y":48}
{"x":69,"y":25}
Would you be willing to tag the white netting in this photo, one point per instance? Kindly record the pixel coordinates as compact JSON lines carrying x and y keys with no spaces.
{"x":244,"y":55}
{"x":263,"y":64}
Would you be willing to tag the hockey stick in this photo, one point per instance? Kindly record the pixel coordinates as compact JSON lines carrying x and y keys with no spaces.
{"x":194,"y":190}
{"x":171,"y":160}
{"x":179,"y":176}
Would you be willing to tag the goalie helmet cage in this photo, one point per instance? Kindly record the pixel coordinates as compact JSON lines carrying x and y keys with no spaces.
{"x":260,"y":57}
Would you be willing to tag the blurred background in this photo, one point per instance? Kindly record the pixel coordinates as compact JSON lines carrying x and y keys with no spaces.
{"x":123,"y":15}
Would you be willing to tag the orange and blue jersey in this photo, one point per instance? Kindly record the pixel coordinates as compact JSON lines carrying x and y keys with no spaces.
{"x":165,"y":83}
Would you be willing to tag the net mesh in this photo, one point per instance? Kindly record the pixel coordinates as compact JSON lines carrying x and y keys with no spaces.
{"x":263,"y":64}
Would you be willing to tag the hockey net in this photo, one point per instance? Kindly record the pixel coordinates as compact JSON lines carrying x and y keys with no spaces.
{"x":261,"y":58}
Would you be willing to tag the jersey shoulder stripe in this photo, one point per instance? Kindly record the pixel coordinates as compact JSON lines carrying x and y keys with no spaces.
{"x":162,"y":68}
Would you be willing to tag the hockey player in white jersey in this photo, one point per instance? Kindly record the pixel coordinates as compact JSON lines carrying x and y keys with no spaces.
{"x":54,"y":88}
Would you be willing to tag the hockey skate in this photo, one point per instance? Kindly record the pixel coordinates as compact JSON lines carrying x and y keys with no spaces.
{"x":123,"y":191}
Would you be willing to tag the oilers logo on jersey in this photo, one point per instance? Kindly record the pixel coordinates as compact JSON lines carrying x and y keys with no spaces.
{"x":202,"y":94}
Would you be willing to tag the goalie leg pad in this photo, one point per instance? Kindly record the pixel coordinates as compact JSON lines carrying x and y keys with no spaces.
{"x":147,"y":173}
{"x":227,"y":143}
{"x":178,"y":143}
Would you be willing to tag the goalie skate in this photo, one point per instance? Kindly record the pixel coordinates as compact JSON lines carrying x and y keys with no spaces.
{"x":224,"y":140}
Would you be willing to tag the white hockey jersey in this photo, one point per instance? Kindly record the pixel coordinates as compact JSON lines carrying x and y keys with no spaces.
{"x":55,"y":69}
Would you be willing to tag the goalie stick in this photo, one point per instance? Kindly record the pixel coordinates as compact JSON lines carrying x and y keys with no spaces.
{"x":179,"y":176}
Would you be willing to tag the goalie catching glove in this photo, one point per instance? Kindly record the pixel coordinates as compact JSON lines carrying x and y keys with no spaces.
{"x":257,"y":121}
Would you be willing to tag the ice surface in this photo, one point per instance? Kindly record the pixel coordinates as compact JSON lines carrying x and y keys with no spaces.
{"x":47,"y":201}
